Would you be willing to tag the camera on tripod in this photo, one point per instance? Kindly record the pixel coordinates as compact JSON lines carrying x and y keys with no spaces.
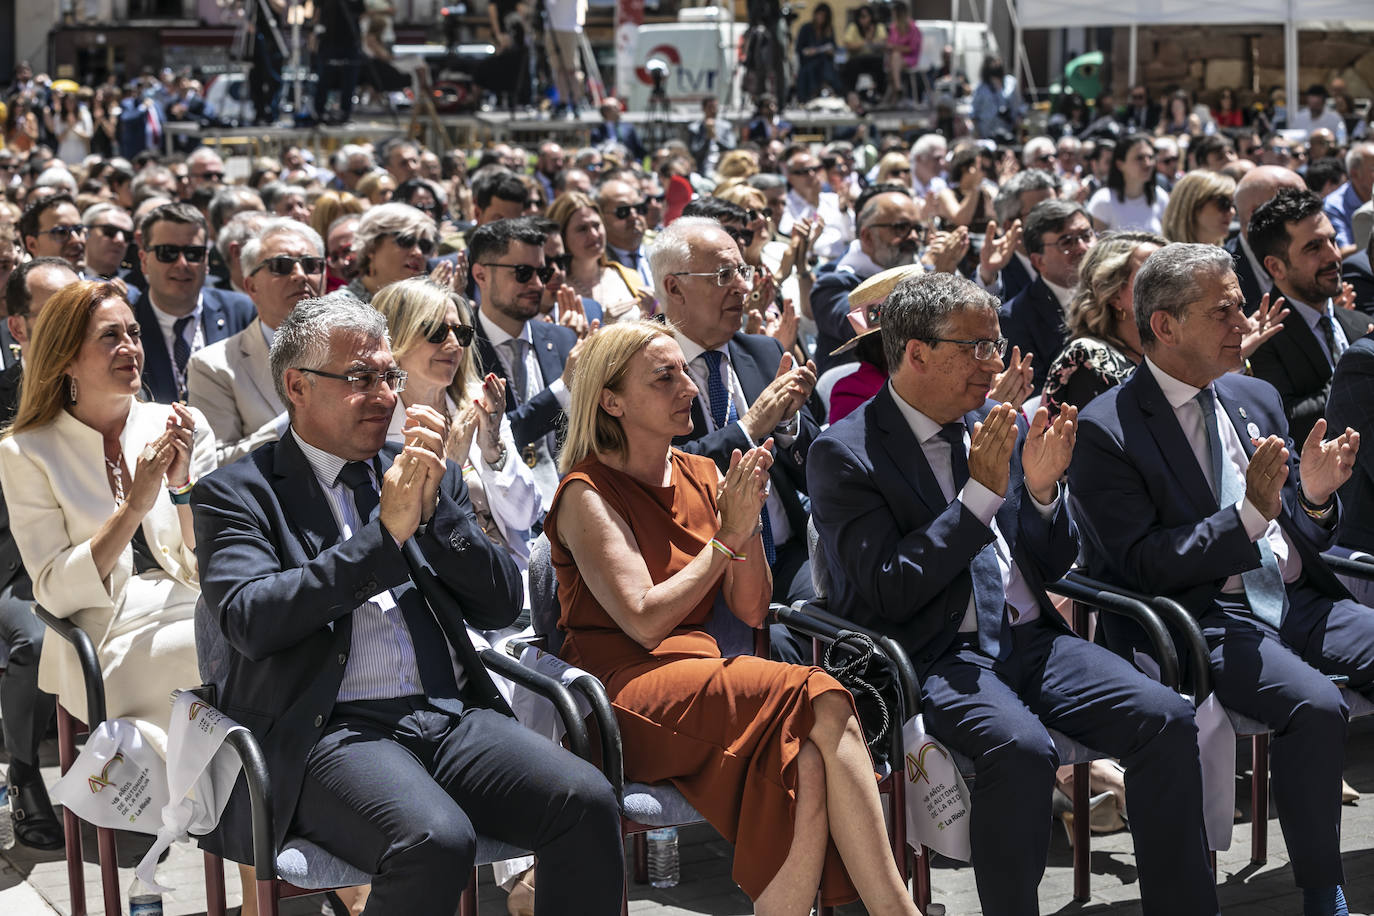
{"x":657,"y":68}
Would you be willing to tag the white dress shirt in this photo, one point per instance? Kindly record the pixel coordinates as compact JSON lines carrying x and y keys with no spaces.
{"x":193,"y":334}
{"x":984,"y":504}
{"x":1181,"y":397}
{"x":641,"y":260}
{"x":783,"y":436}
{"x":1313,"y":314}
{"x":534,"y":376}
{"x":839,"y":227}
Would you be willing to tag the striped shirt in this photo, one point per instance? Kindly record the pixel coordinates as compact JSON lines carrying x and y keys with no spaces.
{"x":381,"y":664}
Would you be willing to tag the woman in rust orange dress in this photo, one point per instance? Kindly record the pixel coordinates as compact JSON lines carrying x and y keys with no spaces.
{"x":646,"y":540}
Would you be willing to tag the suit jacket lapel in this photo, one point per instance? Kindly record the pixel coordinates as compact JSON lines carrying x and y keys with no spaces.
{"x":490,"y":362}
{"x":254,"y":353}
{"x":1304,"y":347}
{"x":212,"y":321}
{"x":546,"y":353}
{"x":157,"y":363}
{"x":905,"y":452}
{"x":303,"y":500}
{"x":1168,"y":435}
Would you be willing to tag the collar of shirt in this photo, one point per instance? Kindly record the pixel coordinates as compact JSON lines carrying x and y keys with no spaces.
{"x":1026,"y":263}
{"x":1257,"y":266}
{"x":167,"y":321}
{"x":625,"y":252}
{"x":497,"y":335}
{"x":268,"y":334}
{"x":1062,"y":293}
{"x":691,"y":349}
{"x":922,"y":426}
{"x":1311,"y":314}
{"x":325,"y":465}
{"x":857,"y":261}
{"x":1177,"y":393}
{"x":799,"y":207}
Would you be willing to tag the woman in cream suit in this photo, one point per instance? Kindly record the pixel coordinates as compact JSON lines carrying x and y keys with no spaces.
{"x":109,"y":542}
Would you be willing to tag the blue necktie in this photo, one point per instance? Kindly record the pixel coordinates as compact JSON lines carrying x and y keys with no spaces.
{"x":431,"y":652}
{"x":181,"y":351}
{"x":723,"y":413}
{"x":1264,"y":589}
{"x":989,"y":597}
{"x":1327,"y":324}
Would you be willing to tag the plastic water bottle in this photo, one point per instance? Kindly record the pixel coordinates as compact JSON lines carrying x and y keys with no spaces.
{"x":143,"y":900}
{"x":935,"y":909}
{"x":6,"y":820}
{"x":663,"y":871}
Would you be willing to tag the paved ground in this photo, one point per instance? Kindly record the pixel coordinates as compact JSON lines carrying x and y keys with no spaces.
{"x":34,"y":884}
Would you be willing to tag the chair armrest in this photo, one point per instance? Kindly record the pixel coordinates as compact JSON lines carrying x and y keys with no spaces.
{"x":1177,"y":619}
{"x":550,"y":690}
{"x":259,"y":795}
{"x":1347,"y":566}
{"x":91,"y":675}
{"x":612,"y":745}
{"x":1112,"y":602}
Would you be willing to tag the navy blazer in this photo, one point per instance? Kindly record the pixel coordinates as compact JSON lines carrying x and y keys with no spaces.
{"x":11,"y":564}
{"x":1356,"y":271}
{"x":830,"y":306}
{"x":897,"y":551}
{"x":282,"y":589}
{"x":1295,"y":363}
{"x":1014,"y":278}
{"x":222,"y":314}
{"x":755,"y":359}
{"x":1148,"y":516}
{"x":1352,"y":404}
{"x":1250,"y":286}
{"x":133,"y":126}
{"x":1034,"y":321}
{"x":542,"y":415}
{"x":9,"y":350}
{"x":619,"y":132}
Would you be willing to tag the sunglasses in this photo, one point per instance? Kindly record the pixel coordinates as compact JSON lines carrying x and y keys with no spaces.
{"x":284,"y":265}
{"x":743,"y":237}
{"x":210,"y":176}
{"x":114,"y":232}
{"x":1224,"y":203}
{"x":563,"y":262}
{"x":525,"y":272}
{"x":623,"y":211}
{"x":65,"y":231}
{"x":168,"y":254}
{"x":902,"y":228}
{"x":439,"y":333}
{"x":756,"y":215}
{"x":805,"y":170}
{"x":409,"y":241}
{"x":656,"y":198}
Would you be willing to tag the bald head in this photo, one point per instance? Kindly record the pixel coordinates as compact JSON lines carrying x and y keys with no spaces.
{"x":1259,"y":185}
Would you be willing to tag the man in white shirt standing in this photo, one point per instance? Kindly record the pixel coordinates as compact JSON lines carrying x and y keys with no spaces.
{"x":806,"y":200}
{"x":1316,"y":115}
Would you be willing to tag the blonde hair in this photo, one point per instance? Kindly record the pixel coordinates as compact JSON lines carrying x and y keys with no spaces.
{"x":1190,"y":195}
{"x":57,"y":339}
{"x":738,"y":163}
{"x":411,"y":308}
{"x":892,"y":162}
{"x":1101,"y":278}
{"x":603,"y":365}
{"x":743,"y":195}
{"x":331,"y":205}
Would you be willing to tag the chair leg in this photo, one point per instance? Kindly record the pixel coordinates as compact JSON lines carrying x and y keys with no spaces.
{"x":215,"y":902}
{"x":109,"y":869}
{"x":1259,"y":800}
{"x":641,"y":844}
{"x":921,"y":885}
{"x":467,"y":904}
{"x":1082,"y":834}
{"x":66,"y":754}
{"x":267,"y":898}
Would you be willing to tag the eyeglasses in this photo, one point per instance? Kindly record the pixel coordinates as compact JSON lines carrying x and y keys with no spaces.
{"x":365,"y":380}
{"x":1067,"y":243}
{"x":531,"y":203}
{"x":1044,"y":157}
{"x":756,"y":215}
{"x":209,"y":176}
{"x":1223,"y":202}
{"x":623,"y":211}
{"x":168,"y":254}
{"x":561,"y":261}
{"x":743,"y":237}
{"x":64,"y":231}
{"x":900,"y":172}
{"x":439,"y":333}
{"x":408,"y":241}
{"x":340,"y":254}
{"x":902,"y":227}
{"x":983,"y":349}
{"x":114,"y":232}
{"x":656,"y":198}
{"x":1166,"y":160}
{"x":725,"y":275}
{"x":284,"y":265}
{"x":525,"y":272}
{"x":804,"y":170}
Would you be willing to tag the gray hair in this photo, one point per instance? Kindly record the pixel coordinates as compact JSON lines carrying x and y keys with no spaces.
{"x":250,"y":255}
{"x":766,"y":181}
{"x":1356,"y":155}
{"x":238,"y":230}
{"x":389,"y":219}
{"x":1171,"y":278}
{"x":347,"y":152}
{"x":1007,"y":204}
{"x":203,"y":153}
{"x":302,"y":341}
{"x":926,"y":144}
{"x":95,"y":211}
{"x":229,"y":202}
{"x":1049,"y":216}
{"x":56,"y":177}
{"x":671,"y":250}
{"x":1034,"y":147}
{"x":275,"y":191}
{"x":920,"y":308}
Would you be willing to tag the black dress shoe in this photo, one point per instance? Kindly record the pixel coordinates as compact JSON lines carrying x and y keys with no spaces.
{"x":35,"y":823}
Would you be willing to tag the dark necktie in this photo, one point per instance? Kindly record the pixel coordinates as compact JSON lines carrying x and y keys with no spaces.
{"x":181,"y":351}
{"x":1264,"y":588}
{"x":1326,"y":324}
{"x":723,"y":413}
{"x":431,"y":649}
{"x":989,"y":598}
{"x":631,"y":260}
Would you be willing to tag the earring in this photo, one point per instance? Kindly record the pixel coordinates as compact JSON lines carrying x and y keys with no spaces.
{"x":71,"y":390}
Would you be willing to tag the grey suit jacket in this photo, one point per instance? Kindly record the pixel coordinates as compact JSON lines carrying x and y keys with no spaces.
{"x":231,"y":383}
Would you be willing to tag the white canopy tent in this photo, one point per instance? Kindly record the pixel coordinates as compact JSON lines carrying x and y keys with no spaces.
{"x":1313,"y":14}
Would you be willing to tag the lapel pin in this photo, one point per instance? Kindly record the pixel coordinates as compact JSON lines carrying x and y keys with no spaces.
{"x":1243,"y":414}
{"x":219,"y":323}
{"x":1253,"y":430}
{"x":548,"y":345}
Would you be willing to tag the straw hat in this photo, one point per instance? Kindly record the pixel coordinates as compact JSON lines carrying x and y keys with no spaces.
{"x":866,"y":302}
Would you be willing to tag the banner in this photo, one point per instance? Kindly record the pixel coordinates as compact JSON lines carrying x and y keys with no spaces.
{"x":629,"y":16}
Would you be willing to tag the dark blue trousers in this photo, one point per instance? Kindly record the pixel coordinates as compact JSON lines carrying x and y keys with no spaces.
{"x":401,"y":788}
{"x":997,"y":712}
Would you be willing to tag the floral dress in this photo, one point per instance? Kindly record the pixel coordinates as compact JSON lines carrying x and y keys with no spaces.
{"x":1084,"y":369}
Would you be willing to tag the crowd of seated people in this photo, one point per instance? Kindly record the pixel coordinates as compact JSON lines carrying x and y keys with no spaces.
{"x":672,"y":369}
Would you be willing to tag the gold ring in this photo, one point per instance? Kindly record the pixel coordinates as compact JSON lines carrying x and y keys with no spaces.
{"x":149,"y":453}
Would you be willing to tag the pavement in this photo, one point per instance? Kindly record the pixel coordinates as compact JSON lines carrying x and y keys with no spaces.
{"x":35,"y":884}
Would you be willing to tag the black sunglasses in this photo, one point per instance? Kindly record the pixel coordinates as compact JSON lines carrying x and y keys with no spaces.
{"x":168,"y":254}
{"x":525,"y":272}
{"x":743,"y":237}
{"x":563,"y":262}
{"x":114,"y":232}
{"x":439,"y":333}
{"x":284,"y":265}
{"x":409,"y":241}
{"x":656,"y":198}
{"x":623,"y":211}
{"x":65,"y":231}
